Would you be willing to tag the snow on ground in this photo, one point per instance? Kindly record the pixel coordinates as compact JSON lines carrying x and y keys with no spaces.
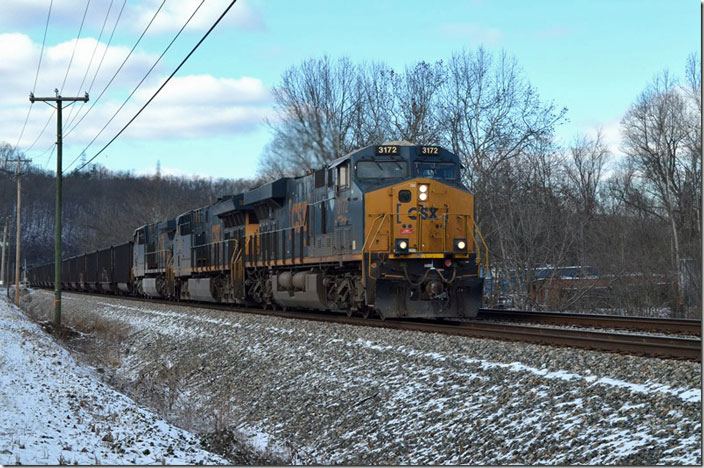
{"x":331,"y":394}
{"x":55,"y":411}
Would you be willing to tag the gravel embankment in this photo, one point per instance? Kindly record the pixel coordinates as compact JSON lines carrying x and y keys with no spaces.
{"x":324,"y":393}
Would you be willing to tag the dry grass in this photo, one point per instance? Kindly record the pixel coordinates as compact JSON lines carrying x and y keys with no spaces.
{"x":162,"y":373}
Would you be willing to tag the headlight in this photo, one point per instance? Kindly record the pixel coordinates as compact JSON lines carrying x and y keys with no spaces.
{"x":422,"y":196}
{"x":401,"y":245}
{"x":460,"y":245}
{"x":423,"y":188}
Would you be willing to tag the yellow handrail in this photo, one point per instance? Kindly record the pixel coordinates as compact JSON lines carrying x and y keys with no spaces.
{"x":380,"y":216}
{"x":368,"y":240}
{"x":486,"y":250}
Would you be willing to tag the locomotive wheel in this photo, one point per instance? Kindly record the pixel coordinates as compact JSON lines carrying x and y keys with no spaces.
{"x":366,"y":312}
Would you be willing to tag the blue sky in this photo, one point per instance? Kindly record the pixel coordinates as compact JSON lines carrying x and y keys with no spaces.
{"x":592,"y":57}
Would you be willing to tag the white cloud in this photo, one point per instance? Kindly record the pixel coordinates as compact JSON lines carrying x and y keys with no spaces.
{"x":473,"y":33}
{"x":175,"y":13}
{"x":191,"y":106}
{"x":29,"y":13}
{"x":196,"y":89}
{"x":610,"y":134}
{"x":18,"y":64}
{"x":20,"y":14}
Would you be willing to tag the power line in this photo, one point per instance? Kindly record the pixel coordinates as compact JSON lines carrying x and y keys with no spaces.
{"x":53,"y":148}
{"x":102,"y":58}
{"x":42,"y":132}
{"x":118,"y":70}
{"x":90,"y":63}
{"x":162,"y":86}
{"x":46,"y":27}
{"x":75,"y":46}
{"x":36,"y":76}
{"x":140,"y":83}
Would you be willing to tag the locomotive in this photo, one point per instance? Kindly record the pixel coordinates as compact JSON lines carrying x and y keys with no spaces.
{"x":388,"y":229}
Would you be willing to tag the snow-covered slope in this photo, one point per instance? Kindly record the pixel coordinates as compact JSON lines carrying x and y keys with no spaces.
{"x":54,"y":410}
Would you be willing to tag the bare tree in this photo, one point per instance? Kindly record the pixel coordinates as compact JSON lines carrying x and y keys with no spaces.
{"x":583,"y":170}
{"x":655,"y":135}
{"x":587,"y":157}
{"x":415,"y":114}
{"x":377,"y":101}
{"x":327,"y":108}
{"x":8,"y":153}
{"x":317,"y":104}
{"x":491,"y":113}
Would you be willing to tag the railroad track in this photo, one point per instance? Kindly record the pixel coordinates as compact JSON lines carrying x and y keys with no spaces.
{"x":684,"y":326}
{"x":624,"y":343}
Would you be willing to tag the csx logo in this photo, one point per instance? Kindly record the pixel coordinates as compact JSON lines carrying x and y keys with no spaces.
{"x":425,"y":212}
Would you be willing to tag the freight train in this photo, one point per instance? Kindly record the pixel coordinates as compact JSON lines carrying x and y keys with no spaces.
{"x":387,"y":230}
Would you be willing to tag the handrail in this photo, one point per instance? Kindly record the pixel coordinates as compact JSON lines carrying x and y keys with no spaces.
{"x":280,"y":229}
{"x":159,"y":257}
{"x":234,"y":258}
{"x":486,"y":250}
{"x":215,"y":242}
{"x":215,"y":253}
{"x":382,"y":217}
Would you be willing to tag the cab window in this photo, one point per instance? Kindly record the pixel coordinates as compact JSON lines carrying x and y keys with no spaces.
{"x":382,"y":169}
{"x":343,"y":175}
{"x":436,"y":170}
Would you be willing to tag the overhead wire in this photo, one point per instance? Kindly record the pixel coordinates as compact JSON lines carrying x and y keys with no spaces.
{"x":140,"y":82}
{"x":75,"y":46}
{"x":97,"y":71}
{"x":95,"y":101}
{"x":102,"y":58}
{"x":73,"y":53}
{"x":43,"y":130}
{"x":90,"y":62}
{"x":161,"y":87}
{"x":36,"y":76}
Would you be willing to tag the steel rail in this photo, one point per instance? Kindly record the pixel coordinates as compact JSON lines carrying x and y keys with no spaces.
{"x":623,"y":343}
{"x":685,"y":326}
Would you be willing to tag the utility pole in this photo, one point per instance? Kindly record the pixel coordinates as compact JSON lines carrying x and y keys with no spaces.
{"x":7,"y":274}
{"x":19,"y":219}
{"x":4,"y":245}
{"x":59,"y":100}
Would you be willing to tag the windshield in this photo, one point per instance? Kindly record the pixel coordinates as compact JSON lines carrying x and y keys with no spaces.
{"x":436,"y":170}
{"x":382,"y":169}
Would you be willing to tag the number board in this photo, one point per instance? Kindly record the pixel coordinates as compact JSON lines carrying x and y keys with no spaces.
{"x":387,"y":149}
{"x":429,"y":150}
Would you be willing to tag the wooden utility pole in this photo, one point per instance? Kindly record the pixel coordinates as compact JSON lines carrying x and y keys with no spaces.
{"x":4,"y":245}
{"x":7,"y":274}
{"x":19,"y":223}
{"x":58,"y":99}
